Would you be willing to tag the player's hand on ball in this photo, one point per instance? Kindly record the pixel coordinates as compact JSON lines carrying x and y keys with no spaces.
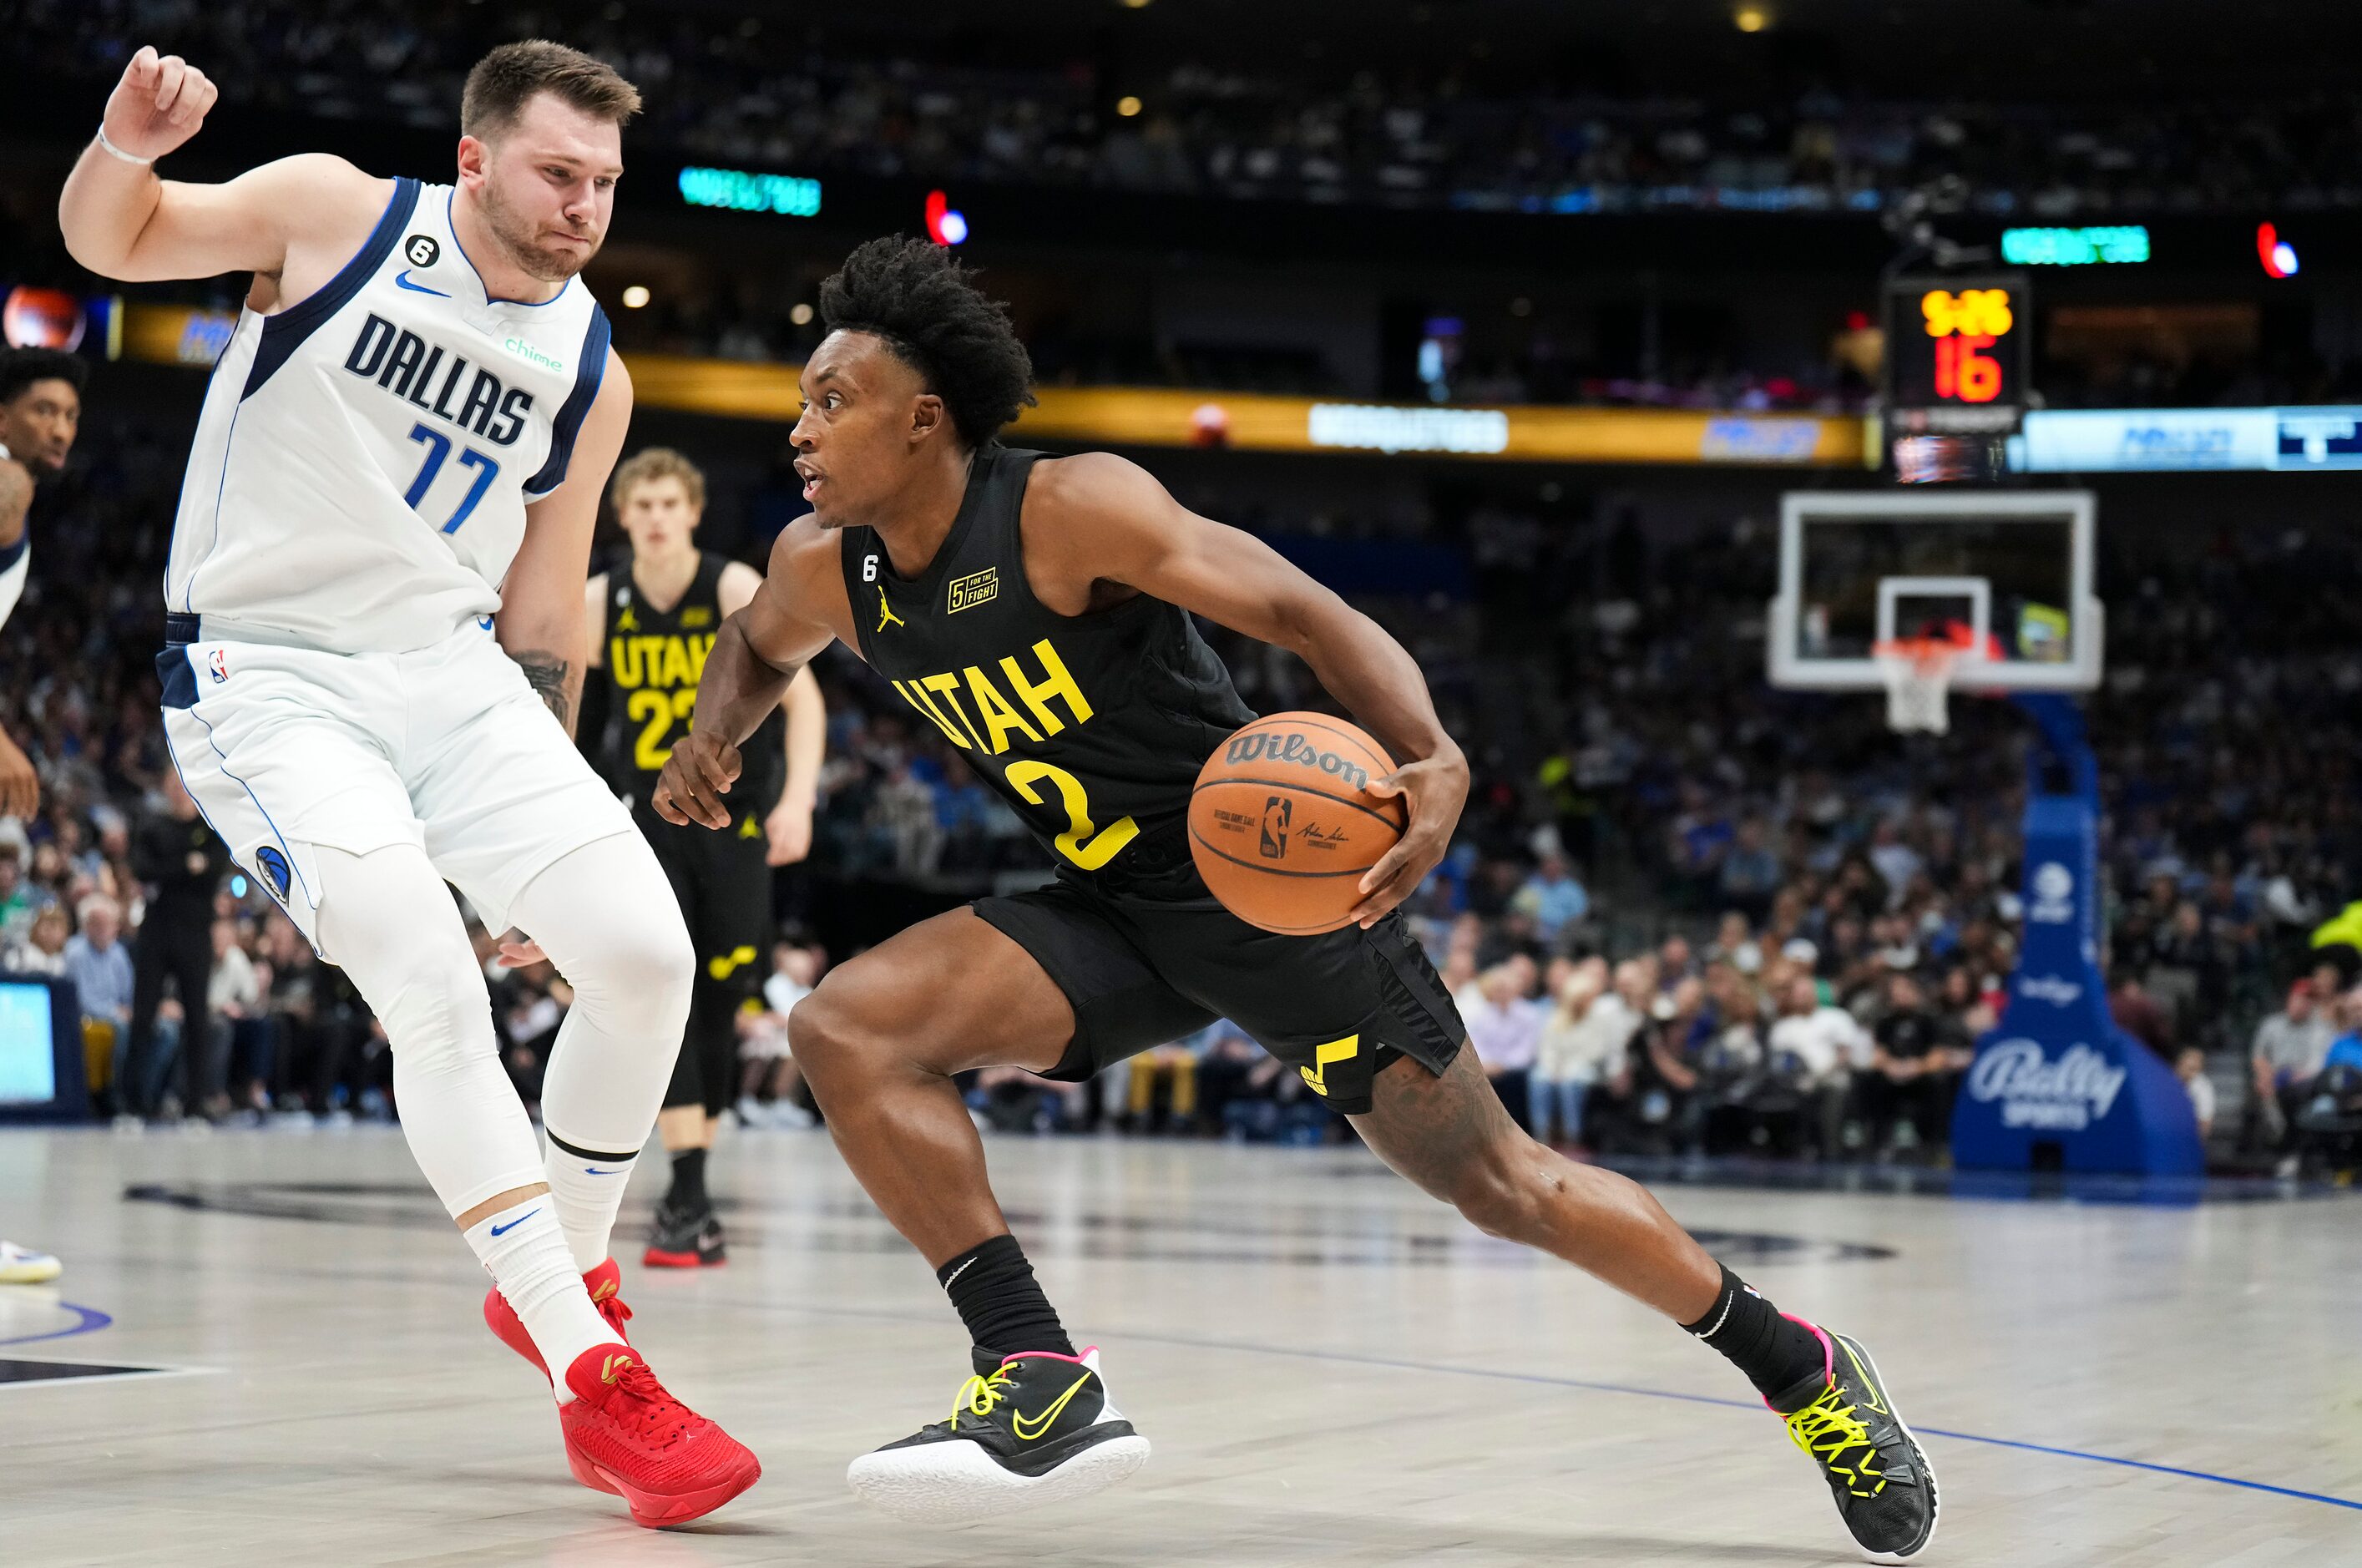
{"x":1435,"y":789}
{"x":698,"y":773}
{"x":158,"y":104}
{"x":789,"y":832}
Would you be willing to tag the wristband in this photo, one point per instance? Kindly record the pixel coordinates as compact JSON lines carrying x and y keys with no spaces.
{"x":107,"y":146}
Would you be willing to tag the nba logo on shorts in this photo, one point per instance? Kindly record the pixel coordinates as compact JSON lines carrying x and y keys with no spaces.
{"x":1276,"y":813}
{"x":218,"y":661}
{"x":274,"y":868}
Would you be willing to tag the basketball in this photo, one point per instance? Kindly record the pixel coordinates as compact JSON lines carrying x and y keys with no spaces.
{"x":1282,"y":823}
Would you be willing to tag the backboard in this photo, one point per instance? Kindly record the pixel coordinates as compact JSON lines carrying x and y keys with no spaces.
{"x":2005,"y":576}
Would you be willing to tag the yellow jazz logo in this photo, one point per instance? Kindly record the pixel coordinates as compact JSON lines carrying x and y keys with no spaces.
{"x":975,"y":589}
{"x":886,"y":616}
{"x":722,"y":968}
{"x":1326,"y":1056}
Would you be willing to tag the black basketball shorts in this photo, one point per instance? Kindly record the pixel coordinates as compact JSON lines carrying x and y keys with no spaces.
{"x":724,"y":885}
{"x":1141,"y":972}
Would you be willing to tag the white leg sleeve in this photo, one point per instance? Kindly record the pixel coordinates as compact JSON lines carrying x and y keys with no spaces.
{"x":607,"y":918}
{"x":392,"y":926}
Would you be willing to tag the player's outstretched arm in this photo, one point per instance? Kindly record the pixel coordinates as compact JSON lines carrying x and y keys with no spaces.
{"x":1097,"y":515}
{"x":122,"y":222}
{"x":542,"y":601}
{"x":793,"y":615}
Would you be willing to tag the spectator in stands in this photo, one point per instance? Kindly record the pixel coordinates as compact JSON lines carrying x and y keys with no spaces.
{"x":2138,"y":1015}
{"x":101,"y":971}
{"x":1826,"y":1044}
{"x":2190,"y":1068}
{"x":771,"y":1091}
{"x":1505,"y":1028}
{"x":43,"y":951}
{"x":1567,"y":1058}
{"x":1915,"y":1062}
{"x":239,"y":1044}
{"x":1552,"y":897}
{"x":180,"y":859}
{"x":2290,"y":1047}
{"x":1750,"y":871}
{"x":20,"y":900}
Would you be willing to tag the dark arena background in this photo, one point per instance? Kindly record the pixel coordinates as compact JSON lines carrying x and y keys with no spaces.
{"x":1871,"y":486}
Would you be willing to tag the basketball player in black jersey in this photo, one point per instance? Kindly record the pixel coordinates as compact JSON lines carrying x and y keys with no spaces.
{"x":650,"y":627}
{"x":1036,"y":610}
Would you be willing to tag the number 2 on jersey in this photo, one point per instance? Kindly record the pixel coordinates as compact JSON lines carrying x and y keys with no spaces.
{"x":439,"y":447}
{"x":1084,"y":843}
{"x":655,"y":711}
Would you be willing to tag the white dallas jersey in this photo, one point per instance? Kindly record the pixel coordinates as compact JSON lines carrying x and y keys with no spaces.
{"x":361,"y":468}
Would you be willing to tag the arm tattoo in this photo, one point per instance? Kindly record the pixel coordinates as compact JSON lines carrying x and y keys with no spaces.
{"x":549,"y":676}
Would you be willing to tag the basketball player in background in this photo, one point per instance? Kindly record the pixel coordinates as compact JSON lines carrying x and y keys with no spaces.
{"x":650,"y":627}
{"x":1036,"y":610}
{"x":41,"y":412}
{"x":374,"y":650}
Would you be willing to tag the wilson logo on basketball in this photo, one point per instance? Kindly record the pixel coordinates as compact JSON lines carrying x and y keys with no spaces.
{"x":1251,"y":745}
{"x":1276,"y":815}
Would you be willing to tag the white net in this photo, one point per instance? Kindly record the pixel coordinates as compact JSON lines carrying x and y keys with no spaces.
{"x":1918,"y":677}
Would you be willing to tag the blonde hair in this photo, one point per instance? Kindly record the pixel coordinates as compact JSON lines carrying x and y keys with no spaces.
{"x":650,"y":464}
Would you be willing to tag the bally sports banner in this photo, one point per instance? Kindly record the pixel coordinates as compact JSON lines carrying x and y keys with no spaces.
{"x":2057,"y":1083}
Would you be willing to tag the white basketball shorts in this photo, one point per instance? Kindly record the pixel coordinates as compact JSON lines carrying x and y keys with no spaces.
{"x":288,"y":749}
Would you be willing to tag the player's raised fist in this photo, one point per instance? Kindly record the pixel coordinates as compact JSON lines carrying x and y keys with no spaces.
{"x":158,"y":104}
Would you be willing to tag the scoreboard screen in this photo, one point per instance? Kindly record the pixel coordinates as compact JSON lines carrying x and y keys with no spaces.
{"x":1958,"y":361}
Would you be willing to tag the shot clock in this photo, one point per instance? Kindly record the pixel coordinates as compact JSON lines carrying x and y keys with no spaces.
{"x":1957,"y":364}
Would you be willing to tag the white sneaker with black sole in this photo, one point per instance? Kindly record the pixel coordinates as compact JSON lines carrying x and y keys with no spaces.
{"x":1039,"y":1430}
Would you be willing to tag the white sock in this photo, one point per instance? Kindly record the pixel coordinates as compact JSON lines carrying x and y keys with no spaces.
{"x":523,"y":1250}
{"x":609,"y":920}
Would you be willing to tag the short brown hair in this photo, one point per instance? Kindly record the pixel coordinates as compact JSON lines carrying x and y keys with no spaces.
{"x":652,"y":463}
{"x":506,"y":80}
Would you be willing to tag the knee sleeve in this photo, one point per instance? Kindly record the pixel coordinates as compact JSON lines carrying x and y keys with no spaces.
{"x":608,"y":919}
{"x":394,"y":928}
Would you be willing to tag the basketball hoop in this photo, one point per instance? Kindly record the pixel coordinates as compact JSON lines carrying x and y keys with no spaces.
{"x":1918,"y":676}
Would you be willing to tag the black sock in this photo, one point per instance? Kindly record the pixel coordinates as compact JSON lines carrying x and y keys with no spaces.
{"x":1775,"y":1353}
{"x":1001,"y":1303}
{"x":688,"y":1194}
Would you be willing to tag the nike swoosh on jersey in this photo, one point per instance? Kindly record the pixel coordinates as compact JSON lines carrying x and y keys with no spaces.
{"x":402,"y":281}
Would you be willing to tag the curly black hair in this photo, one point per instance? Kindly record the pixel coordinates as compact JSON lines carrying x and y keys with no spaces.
{"x":916,"y":298}
{"x":20,"y":368}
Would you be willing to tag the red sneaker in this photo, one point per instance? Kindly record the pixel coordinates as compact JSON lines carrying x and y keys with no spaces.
{"x":604,"y":1284}
{"x":624,"y":1434}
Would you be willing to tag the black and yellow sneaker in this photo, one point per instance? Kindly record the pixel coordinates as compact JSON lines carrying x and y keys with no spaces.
{"x":1039,"y":1429}
{"x":1842,"y":1417}
{"x":685,"y":1238}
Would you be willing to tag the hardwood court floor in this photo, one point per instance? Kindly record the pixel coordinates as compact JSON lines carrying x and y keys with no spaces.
{"x":1332,"y":1369}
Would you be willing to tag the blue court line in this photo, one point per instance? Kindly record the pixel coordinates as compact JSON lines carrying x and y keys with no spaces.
{"x":1546,"y":1381}
{"x":91,"y":1319}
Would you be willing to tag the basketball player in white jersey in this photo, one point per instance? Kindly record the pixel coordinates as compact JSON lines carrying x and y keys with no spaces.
{"x":41,"y":410}
{"x":374,"y":651}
